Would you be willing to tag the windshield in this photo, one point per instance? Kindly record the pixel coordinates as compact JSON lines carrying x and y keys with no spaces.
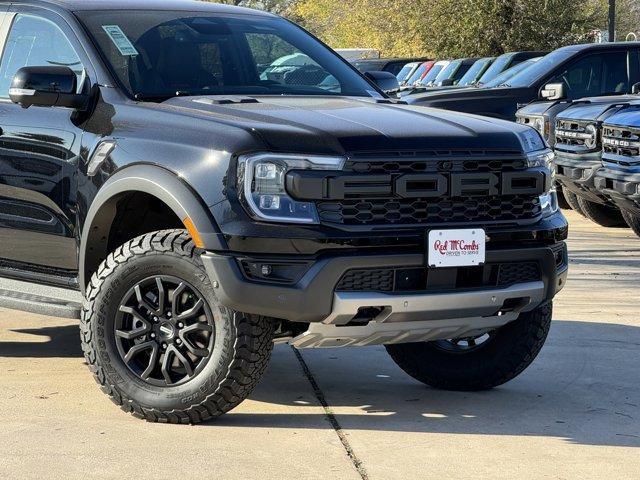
{"x":406,"y":70}
{"x":433,"y":73}
{"x":163,"y":54}
{"x":507,"y":74}
{"x":449,"y":71}
{"x":496,"y":67}
{"x":475,"y":71}
{"x":417,"y":74}
{"x":543,"y":67}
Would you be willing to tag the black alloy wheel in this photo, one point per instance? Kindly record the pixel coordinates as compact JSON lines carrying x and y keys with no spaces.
{"x":164,"y":331}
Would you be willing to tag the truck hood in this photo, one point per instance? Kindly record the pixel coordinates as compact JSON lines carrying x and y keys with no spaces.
{"x":339,"y":125}
{"x":593,"y":108}
{"x":629,"y":117}
{"x":536,"y":108}
{"x":463,"y":93}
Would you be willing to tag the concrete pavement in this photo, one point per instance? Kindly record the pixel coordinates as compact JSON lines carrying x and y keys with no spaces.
{"x":575,"y":413}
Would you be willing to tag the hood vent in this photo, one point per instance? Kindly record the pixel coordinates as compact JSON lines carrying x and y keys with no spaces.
{"x":226,"y":100}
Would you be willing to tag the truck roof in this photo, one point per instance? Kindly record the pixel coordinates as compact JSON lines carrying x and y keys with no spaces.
{"x":186,"y":5}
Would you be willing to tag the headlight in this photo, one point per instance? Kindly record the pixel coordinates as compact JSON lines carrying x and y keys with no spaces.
{"x":261,"y":184}
{"x":545,"y":159}
{"x":531,"y":140}
{"x":537,"y":122}
{"x":591,"y":140}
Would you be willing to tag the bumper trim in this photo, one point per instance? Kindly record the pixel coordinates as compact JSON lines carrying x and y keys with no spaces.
{"x":433,"y":306}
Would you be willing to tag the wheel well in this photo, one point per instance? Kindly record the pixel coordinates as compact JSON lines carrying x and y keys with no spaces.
{"x":124,"y":218}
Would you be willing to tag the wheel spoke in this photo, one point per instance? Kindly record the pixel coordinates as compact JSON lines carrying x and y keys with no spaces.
{"x":160,"y":295}
{"x":135,"y":333}
{"x":136,"y":349}
{"x":184,"y":361}
{"x":143,"y":302}
{"x":174,"y":298}
{"x":183,"y":335}
{"x":192,"y":311}
{"x":166,"y":364}
{"x":155,"y":353}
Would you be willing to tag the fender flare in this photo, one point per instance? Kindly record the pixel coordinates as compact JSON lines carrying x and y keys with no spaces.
{"x":155,"y":181}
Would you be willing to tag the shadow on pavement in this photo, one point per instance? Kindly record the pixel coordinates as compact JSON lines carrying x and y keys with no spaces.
{"x":584,"y":388}
{"x":64,"y":342}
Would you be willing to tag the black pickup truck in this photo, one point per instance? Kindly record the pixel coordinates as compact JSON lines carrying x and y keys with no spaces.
{"x":588,"y":70}
{"x":203,"y":194}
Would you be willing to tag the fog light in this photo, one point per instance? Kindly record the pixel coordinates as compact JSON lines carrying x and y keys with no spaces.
{"x":266,"y":270}
{"x":269,"y":202}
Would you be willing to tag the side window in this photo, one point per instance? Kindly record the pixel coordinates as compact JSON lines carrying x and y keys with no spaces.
{"x":615,"y":76}
{"x":35,"y":41}
{"x":280,"y":62}
{"x":582,"y":78}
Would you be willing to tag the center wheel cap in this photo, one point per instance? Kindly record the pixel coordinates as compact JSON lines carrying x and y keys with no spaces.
{"x":167,"y":330}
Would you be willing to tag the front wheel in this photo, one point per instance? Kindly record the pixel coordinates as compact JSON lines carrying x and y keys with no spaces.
{"x":603,"y":215}
{"x":633,"y":220}
{"x":478,"y":363}
{"x":158,"y":341}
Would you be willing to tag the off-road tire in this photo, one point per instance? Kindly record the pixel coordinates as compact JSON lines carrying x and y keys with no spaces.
{"x":507,"y":353}
{"x":603,"y":215}
{"x":572,"y":201}
{"x":632,"y":220}
{"x":237,"y":361}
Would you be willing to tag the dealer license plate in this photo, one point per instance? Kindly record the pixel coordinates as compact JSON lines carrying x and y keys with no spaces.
{"x":456,"y":248}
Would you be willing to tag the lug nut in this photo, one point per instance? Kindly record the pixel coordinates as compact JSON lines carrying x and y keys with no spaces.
{"x":181,"y":325}
{"x":168,"y":314}
{"x":164,"y":346}
{"x":156,"y":319}
{"x":153,"y":335}
{"x":178,"y":341}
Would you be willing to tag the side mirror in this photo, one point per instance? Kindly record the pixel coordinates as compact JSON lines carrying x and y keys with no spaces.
{"x":553,"y":91}
{"x":447,"y":82}
{"x":46,"y":86}
{"x":635,"y":89}
{"x":385,"y":80}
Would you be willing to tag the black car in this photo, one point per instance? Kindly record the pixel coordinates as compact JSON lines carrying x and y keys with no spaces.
{"x":580,"y":70}
{"x":619,"y":177}
{"x":391,"y":65}
{"x":196,"y":206}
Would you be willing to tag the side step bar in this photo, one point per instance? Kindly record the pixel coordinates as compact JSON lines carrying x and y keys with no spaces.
{"x":40,"y":299}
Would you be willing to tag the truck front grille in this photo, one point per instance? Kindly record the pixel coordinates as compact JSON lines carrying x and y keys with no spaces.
{"x":393,"y":280}
{"x":358,"y":207}
{"x":623,"y":143}
{"x":571,"y":135}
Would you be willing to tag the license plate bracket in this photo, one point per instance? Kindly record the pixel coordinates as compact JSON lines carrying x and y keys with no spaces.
{"x":456,"y":248}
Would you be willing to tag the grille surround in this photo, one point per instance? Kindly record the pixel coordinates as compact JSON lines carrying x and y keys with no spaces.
{"x":394,"y":210}
{"x":614,"y":133}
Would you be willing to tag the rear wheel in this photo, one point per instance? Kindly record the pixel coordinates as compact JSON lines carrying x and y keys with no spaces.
{"x":477,"y":363}
{"x":158,"y":341}
{"x":633,"y":220}
{"x":572,"y":201}
{"x":603,"y":215}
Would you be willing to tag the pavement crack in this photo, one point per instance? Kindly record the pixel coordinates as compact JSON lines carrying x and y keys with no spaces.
{"x":357,"y":463}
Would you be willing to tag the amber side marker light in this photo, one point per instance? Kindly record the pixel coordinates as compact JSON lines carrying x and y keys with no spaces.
{"x":193,"y":231}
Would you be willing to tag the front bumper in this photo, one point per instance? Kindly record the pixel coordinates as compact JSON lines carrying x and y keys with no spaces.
{"x":336,"y":317}
{"x":577,"y":173}
{"x":620,"y":187}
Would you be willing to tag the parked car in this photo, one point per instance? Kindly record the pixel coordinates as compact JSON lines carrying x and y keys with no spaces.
{"x":578,"y":149}
{"x":391,"y":65}
{"x":505,"y":62}
{"x":452,"y":73}
{"x":420,"y":72}
{"x":580,"y":70}
{"x":195,"y":211}
{"x":468,"y":79}
{"x":619,"y":177}
{"x":407,"y":72}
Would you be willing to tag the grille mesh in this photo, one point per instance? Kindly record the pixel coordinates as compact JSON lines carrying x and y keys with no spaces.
{"x":623,"y":134}
{"x":445,"y":210}
{"x":512,"y":273}
{"x":376,"y":280}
